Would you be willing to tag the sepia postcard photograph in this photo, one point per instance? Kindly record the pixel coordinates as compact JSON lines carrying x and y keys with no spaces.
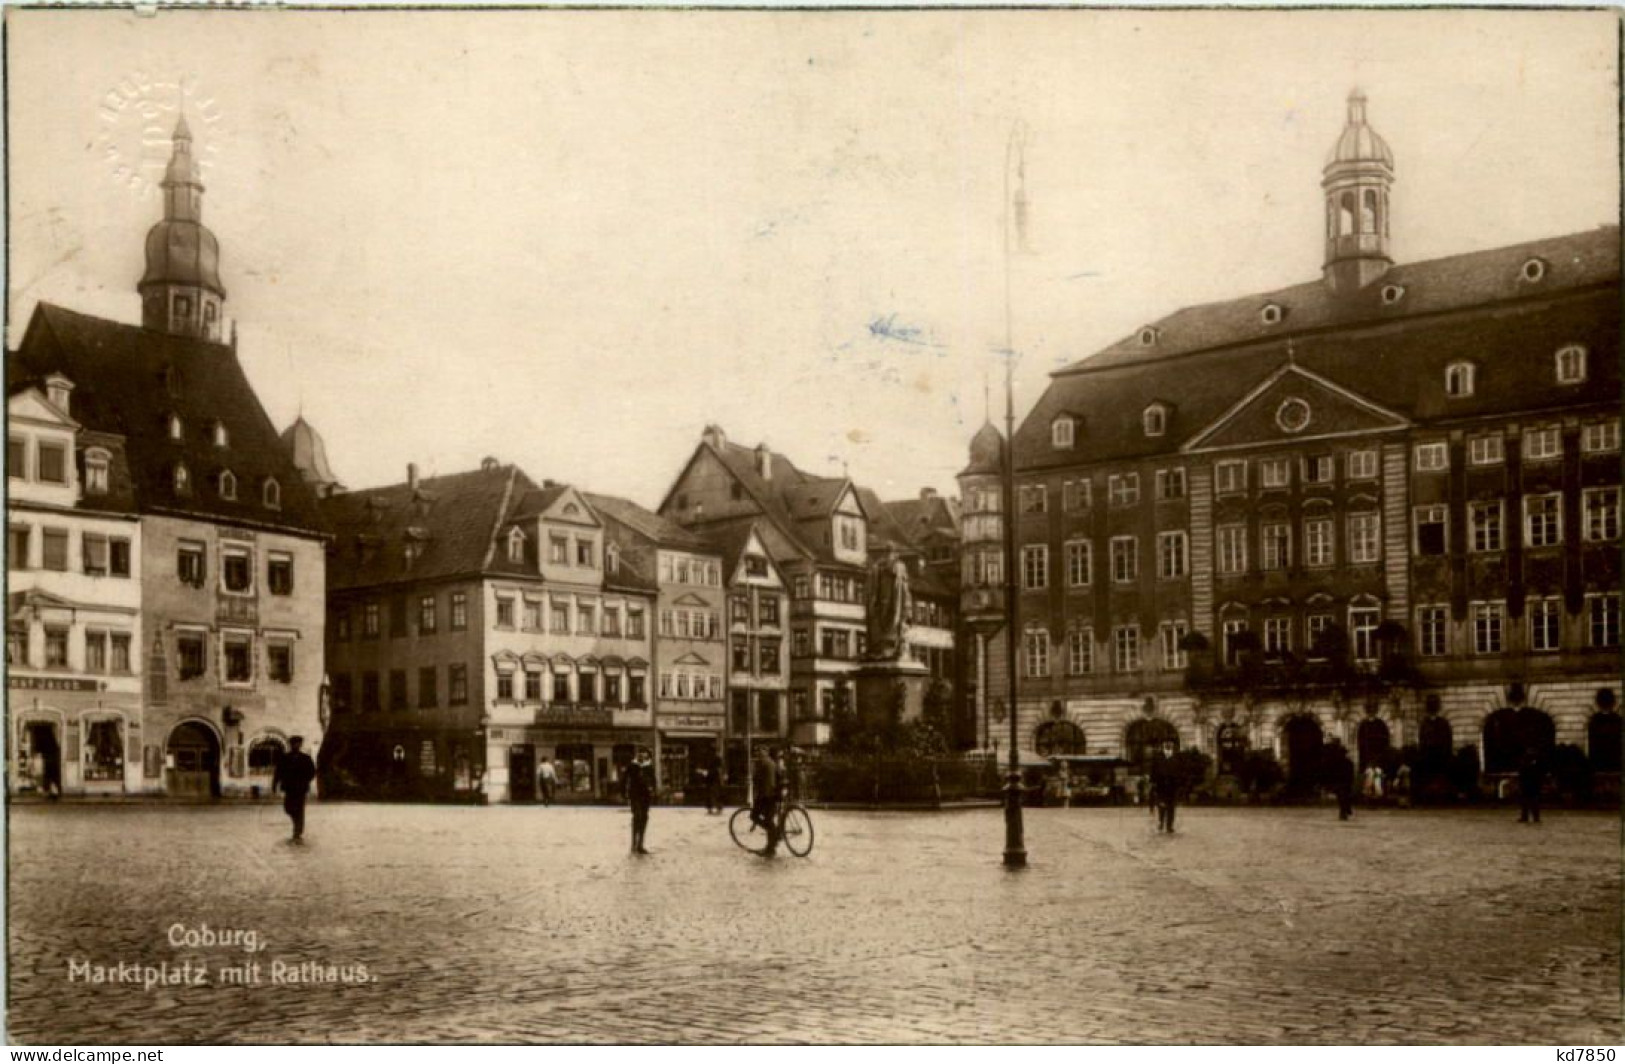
{"x":697,"y":526}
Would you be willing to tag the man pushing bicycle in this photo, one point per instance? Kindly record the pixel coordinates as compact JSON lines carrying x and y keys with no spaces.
{"x":764,"y":809}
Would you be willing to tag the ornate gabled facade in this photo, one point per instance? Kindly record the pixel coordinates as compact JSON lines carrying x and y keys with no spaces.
{"x":1382,"y":507}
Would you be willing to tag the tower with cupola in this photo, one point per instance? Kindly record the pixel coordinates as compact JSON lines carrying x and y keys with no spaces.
{"x":181,"y":292}
{"x":1356,"y":182}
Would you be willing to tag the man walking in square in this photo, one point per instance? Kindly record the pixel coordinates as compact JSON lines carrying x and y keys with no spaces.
{"x":548,"y":779}
{"x":1164,"y":786}
{"x":764,"y":809}
{"x":294,"y":772}
{"x":640,"y":794}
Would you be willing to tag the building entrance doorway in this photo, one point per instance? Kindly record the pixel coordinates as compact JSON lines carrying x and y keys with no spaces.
{"x":522,"y":773}
{"x":42,"y":757}
{"x":194,"y":762}
{"x":1301,"y":737}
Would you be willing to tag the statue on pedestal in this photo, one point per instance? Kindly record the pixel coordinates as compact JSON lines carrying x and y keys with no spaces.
{"x":888,"y":607}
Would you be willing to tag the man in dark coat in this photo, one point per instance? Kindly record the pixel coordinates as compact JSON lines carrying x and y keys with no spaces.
{"x":713,"y":787}
{"x":640,"y":794}
{"x":1340,"y":774}
{"x":293,"y":774}
{"x":764,"y":808}
{"x":1164,"y":786}
{"x":1531,"y":775}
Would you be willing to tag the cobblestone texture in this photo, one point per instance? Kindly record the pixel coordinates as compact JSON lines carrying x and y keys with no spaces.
{"x":525,"y":924}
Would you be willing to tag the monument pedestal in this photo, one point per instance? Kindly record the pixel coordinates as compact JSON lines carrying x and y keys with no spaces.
{"x":891,"y":690}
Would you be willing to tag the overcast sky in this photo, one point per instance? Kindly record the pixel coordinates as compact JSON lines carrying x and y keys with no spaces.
{"x":571,"y":239}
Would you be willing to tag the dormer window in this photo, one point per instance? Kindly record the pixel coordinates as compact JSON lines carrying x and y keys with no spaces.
{"x":612,"y":559}
{"x":516,"y":546}
{"x":1062,"y":431}
{"x":1148,"y":336}
{"x":181,"y":479}
{"x":228,"y":484}
{"x":1155,"y":419}
{"x":1458,"y":380}
{"x":175,"y":429}
{"x":1533,"y":272}
{"x":1392,"y":294}
{"x":97,"y":463}
{"x":272,"y":494}
{"x":1571,"y":364}
{"x":1272,"y":314}
{"x":220,"y":438}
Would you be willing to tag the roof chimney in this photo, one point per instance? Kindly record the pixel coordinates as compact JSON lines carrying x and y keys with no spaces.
{"x":714,"y":435}
{"x":764,"y":462}
{"x":927,"y":494}
{"x":412,"y":476}
{"x":489,"y":464}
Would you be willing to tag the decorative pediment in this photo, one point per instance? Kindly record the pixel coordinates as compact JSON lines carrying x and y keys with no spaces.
{"x":1294,"y":404}
{"x":32,"y":405}
{"x":571,"y":508}
{"x":690,"y":599}
{"x":636,"y":663}
{"x":505,"y":660}
{"x":691,"y":658}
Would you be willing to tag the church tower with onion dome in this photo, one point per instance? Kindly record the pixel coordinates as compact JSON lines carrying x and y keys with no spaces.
{"x":1356,"y":182}
{"x":181,"y":292}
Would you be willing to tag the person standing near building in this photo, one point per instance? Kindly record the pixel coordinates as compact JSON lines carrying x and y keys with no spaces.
{"x":764,"y":809}
{"x":1164,"y":786}
{"x":1531,"y":775}
{"x":640,"y":795}
{"x":1340,"y":774}
{"x":713,"y":787}
{"x":293,"y":774}
{"x":547,"y":779}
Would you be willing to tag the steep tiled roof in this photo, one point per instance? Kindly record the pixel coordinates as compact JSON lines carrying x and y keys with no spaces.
{"x":1398,"y":364}
{"x":454,"y":519}
{"x":918,"y":517}
{"x":646,"y":523}
{"x":129,"y":380}
{"x":787,"y":496}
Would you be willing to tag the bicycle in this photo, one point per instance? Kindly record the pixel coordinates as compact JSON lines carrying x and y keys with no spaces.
{"x":795,"y":829}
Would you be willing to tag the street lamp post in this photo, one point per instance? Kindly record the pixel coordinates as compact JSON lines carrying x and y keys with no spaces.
{"x":1015,"y":849}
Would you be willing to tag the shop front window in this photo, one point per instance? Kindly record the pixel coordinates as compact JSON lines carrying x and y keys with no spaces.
{"x":104,"y":751}
{"x":573,"y":762}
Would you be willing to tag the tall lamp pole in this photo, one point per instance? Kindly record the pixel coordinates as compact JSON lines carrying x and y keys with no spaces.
{"x":1015,"y":848}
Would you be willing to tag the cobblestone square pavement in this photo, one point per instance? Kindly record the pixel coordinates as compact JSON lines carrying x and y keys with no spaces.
{"x":530,"y":924}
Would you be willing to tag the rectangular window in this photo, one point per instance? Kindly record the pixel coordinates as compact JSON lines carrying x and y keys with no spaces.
{"x":1076,"y":495}
{"x":56,"y":648}
{"x":237,"y":570}
{"x":1604,"y":610}
{"x":1601,"y":514}
{"x":561,"y":686}
{"x":428,"y":614}
{"x":459,"y":611}
{"x":1274,"y":473}
{"x":1318,"y":469}
{"x":428,"y":687}
{"x":587,"y":620}
{"x":533,"y":686}
{"x":1362,"y":465}
{"x":1314,"y":631}
{"x":1317,"y":542}
{"x":1126,"y":648}
{"x":1037,"y":653}
{"x":1431,"y":631}
{"x":95,"y":651}
{"x":55,"y":553}
{"x":1232,"y":641}
{"x":1232,"y":548}
{"x":1170,"y":483}
{"x":1035,"y":567}
{"x":1365,"y":538}
{"x":1171,"y":555}
{"x":53,"y":463}
{"x":279,"y":662}
{"x":397,"y":689}
{"x":504,"y":612}
{"x":1123,"y":489}
{"x":1363,"y":621}
{"x":1545,"y":624}
{"x":1277,"y":635}
{"x":634,"y":623}
{"x":17,"y":643}
{"x":1542,"y":520}
{"x":558,"y":550}
{"x":586,"y":554}
{"x":1484,"y":523}
{"x":1431,"y":527}
{"x":1230,"y":478}
{"x":1542,"y":445}
{"x":1432,"y":457}
{"x":1274,"y":546}
{"x":1489,"y":618}
{"x":17,"y":547}
{"x":121,"y":652}
{"x":612,"y":620}
{"x":189,"y":564}
{"x":17,"y":457}
{"x":94,"y":549}
{"x":559,"y":619}
{"x":1600,"y":436}
{"x":612,"y":688}
{"x":369,"y":621}
{"x":189,"y":655}
{"x":371,"y":700}
{"x":118,"y":556}
{"x":279,"y":573}
{"x":341,"y":693}
{"x":634,"y":689}
{"x":1080,"y":652}
{"x":767,"y":651}
{"x":1172,"y":635}
{"x":239,"y":654}
{"x":1079,"y":563}
{"x":768,"y":609}
{"x":504,"y":687}
{"x":1485,"y":450}
{"x":741,"y":653}
{"x":1034,"y":499}
{"x":457,"y":685}
{"x":1125,"y":559}
{"x":397,"y":617}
